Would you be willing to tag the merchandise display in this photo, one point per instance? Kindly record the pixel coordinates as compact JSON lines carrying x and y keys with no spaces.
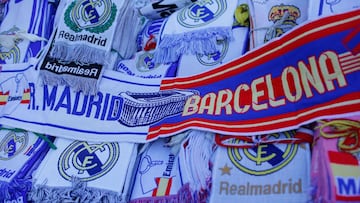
{"x":199,"y":101}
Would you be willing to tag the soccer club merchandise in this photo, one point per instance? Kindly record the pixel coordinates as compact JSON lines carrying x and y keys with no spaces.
{"x":227,"y":50}
{"x":272,"y":18}
{"x":319,"y":8}
{"x":336,"y":168}
{"x":80,"y":171}
{"x":142,"y":66}
{"x":195,"y":161}
{"x":20,"y":154}
{"x":157,"y":9}
{"x":149,"y":35}
{"x":157,"y":177}
{"x":195,"y":29}
{"x":262,"y":168}
{"x":25,"y":29}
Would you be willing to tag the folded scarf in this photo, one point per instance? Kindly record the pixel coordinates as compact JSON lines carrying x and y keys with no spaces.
{"x":25,"y":38}
{"x":157,"y":177}
{"x":228,"y":50}
{"x":272,"y":18}
{"x":336,"y":168}
{"x":149,"y":35}
{"x":195,"y":29}
{"x":84,"y":172}
{"x":161,"y":9}
{"x":262,"y":168}
{"x":142,"y":66}
{"x":20,"y":154}
{"x":330,"y":7}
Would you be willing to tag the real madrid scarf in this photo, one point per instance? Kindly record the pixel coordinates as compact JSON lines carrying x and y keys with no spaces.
{"x":25,"y":29}
{"x":260,"y":169}
{"x":195,"y":29}
{"x":161,"y":9}
{"x":20,"y":153}
{"x":157,"y":177}
{"x":80,"y":171}
{"x":330,"y":7}
{"x":86,"y":31}
{"x":336,"y":168}
{"x":272,"y":18}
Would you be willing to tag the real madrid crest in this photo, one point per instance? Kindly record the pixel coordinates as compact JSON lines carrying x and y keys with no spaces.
{"x":12,"y":144}
{"x":144,"y":62}
{"x":88,"y":161}
{"x":95,"y":16}
{"x":201,"y":12}
{"x":214,"y":58}
{"x":263,"y":159}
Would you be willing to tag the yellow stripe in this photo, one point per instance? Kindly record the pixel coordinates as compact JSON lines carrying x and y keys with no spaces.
{"x":345,"y":170}
{"x":161,"y":190}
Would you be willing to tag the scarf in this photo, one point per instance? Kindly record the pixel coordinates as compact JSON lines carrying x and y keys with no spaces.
{"x":84,"y":172}
{"x":228,"y":50}
{"x":195,"y":29}
{"x":161,"y":9}
{"x":23,"y":39}
{"x":330,"y":7}
{"x":271,"y":18}
{"x":335,"y":159}
{"x":256,"y":168}
{"x":149,"y":35}
{"x":157,"y":177}
{"x":194,"y":163}
{"x":20,"y":153}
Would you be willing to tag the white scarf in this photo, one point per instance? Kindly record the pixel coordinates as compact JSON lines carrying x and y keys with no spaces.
{"x":195,"y":29}
{"x":272,"y":18}
{"x":319,"y":8}
{"x":84,"y":172}
{"x":161,"y":8}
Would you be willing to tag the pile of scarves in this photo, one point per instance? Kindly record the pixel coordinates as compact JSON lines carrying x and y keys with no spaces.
{"x":74,"y":46}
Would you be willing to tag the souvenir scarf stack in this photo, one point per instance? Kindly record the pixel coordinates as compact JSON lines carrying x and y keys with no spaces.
{"x":25,"y":28}
{"x":227,"y":49}
{"x":20,"y":154}
{"x":270,"y":19}
{"x":81,"y":47}
{"x":195,"y":29}
{"x":273,"y":167}
{"x":335,"y":160}
{"x":81,"y":171}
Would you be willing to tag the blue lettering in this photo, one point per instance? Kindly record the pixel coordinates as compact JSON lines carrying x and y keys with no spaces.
{"x":105,"y":107}
{"x":76,"y":104}
{"x":49,"y":99}
{"x":32,"y":96}
{"x":65,"y":96}
{"x":346,"y":187}
{"x":116,"y":102}
{"x":95,"y":103}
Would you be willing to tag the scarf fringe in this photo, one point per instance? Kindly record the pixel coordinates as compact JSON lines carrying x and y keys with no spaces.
{"x":16,"y":187}
{"x":88,"y":86}
{"x":79,"y":192}
{"x":171,"y":47}
{"x":82,"y":53}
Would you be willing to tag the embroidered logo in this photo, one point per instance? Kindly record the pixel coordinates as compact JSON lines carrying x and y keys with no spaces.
{"x":13,"y":54}
{"x":284,"y":18}
{"x":88,"y":161}
{"x":215,"y":58}
{"x":144,"y":62}
{"x":264,"y":158}
{"x":12,"y":144}
{"x":95,"y":16}
{"x":201,"y":13}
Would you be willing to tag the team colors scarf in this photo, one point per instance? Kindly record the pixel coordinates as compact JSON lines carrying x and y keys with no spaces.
{"x":148,"y":37}
{"x":195,"y":29}
{"x":272,"y":18}
{"x":194,"y":162}
{"x":161,"y":9}
{"x":25,"y":29}
{"x":142,"y":66}
{"x":157,"y":176}
{"x":81,"y":171}
{"x":263,"y":168}
{"x":336,"y":169}
{"x":20,"y":154}
{"x":330,"y":7}
{"x":227,"y":50}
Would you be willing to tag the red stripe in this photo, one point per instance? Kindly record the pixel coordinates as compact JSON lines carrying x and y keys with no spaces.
{"x":270,"y":46}
{"x":229,"y":125}
{"x":351,"y":36}
{"x":168,"y":186}
{"x":157,"y":180}
{"x":348,"y":198}
{"x":342,"y":158}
